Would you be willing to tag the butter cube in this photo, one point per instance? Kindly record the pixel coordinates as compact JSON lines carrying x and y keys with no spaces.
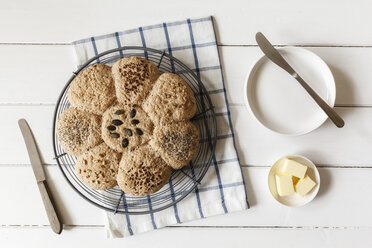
{"x":284,"y":184}
{"x":304,"y":186}
{"x":294,"y":168}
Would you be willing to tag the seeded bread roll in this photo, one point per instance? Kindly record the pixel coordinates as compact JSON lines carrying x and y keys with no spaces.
{"x":125,"y":127}
{"x":142,"y":172}
{"x":78,"y":131}
{"x":171,"y":100}
{"x":134,"y":78}
{"x":93,"y":89}
{"x":176,"y":143}
{"x":98,"y":167}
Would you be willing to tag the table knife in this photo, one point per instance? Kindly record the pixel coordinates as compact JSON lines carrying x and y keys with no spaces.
{"x":40,"y":175}
{"x":278,"y":59}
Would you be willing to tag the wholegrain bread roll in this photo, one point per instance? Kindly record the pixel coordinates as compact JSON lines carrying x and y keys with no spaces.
{"x":142,"y":172}
{"x":98,"y":167}
{"x":93,"y":89}
{"x":176,"y":143}
{"x":78,"y":131}
{"x":171,"y":100}
{"x":126,"y":127}
{"x":134,"y":78}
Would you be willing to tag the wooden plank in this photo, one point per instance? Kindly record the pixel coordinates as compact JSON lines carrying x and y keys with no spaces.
{"x":350,"y":68}
{"x":338,"y":203}
{"x":284,"y":22}
{"x":327,"y":145}
{"x":40,"y":119}
{"x":23,"y":204}
{"x":40,"y":76}
{"x":186,"y":237}
{"x":349,"y":146}
{"x":34,"y":74}
{"x":335,"y":206}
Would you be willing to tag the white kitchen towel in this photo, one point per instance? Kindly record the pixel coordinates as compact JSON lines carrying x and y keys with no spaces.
{"x":222,"y":190}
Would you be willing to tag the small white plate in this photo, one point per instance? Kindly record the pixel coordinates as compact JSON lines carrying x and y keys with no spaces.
{"x":294,"y":200}
{"x":279,"y":102}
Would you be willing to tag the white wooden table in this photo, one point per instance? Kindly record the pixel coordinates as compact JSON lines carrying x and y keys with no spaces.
{"x":37,"y":59}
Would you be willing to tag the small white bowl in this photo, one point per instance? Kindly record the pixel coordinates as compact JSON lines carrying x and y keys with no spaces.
{"x":294,"y":200}
{"x":278,"y":101}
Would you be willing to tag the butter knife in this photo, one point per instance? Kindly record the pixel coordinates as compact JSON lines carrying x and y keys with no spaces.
{"x":277,"y":58}
{"x":40,"y":175}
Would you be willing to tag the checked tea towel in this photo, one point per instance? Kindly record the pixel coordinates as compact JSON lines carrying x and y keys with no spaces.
{"x":222,"y":190}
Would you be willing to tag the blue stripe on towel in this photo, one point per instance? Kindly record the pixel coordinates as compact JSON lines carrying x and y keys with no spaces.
{"x":214,"y":159}
{"x":143,"y":41}
{"x":127,"y":216}
{"x":168,"y":44}
{"x":224,"y":161}
{"x":119,"y":44}
{"x":197,"y":192}
{"x":151,"y":214}
{"x":95,"y":48}
{"x":194,"y":49}
{"x":211,"y":92}
{"x":228,"y":185}
{"x":196,"y":45}
{"x":174,"y":199}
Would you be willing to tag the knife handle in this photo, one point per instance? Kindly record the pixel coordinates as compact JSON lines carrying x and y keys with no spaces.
{"x":49,"y":207}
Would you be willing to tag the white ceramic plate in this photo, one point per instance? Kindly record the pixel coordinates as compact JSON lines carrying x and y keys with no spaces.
{"x":279,"y":102}
{"x":294,"y":200}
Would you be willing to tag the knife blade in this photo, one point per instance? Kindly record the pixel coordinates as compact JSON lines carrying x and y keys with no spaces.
{"x":39,"y":175}
{"x":269,"y":50}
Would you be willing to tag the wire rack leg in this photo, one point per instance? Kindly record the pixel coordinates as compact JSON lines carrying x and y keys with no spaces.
{"x":117,"y":206}
{"x":161,"y":59}
{"x":189,"y":176}
{"x":201,"y":113}
{"x":60,"y":155}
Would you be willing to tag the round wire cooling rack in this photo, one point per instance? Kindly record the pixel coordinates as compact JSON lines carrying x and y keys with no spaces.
{"x":182,"y":182}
